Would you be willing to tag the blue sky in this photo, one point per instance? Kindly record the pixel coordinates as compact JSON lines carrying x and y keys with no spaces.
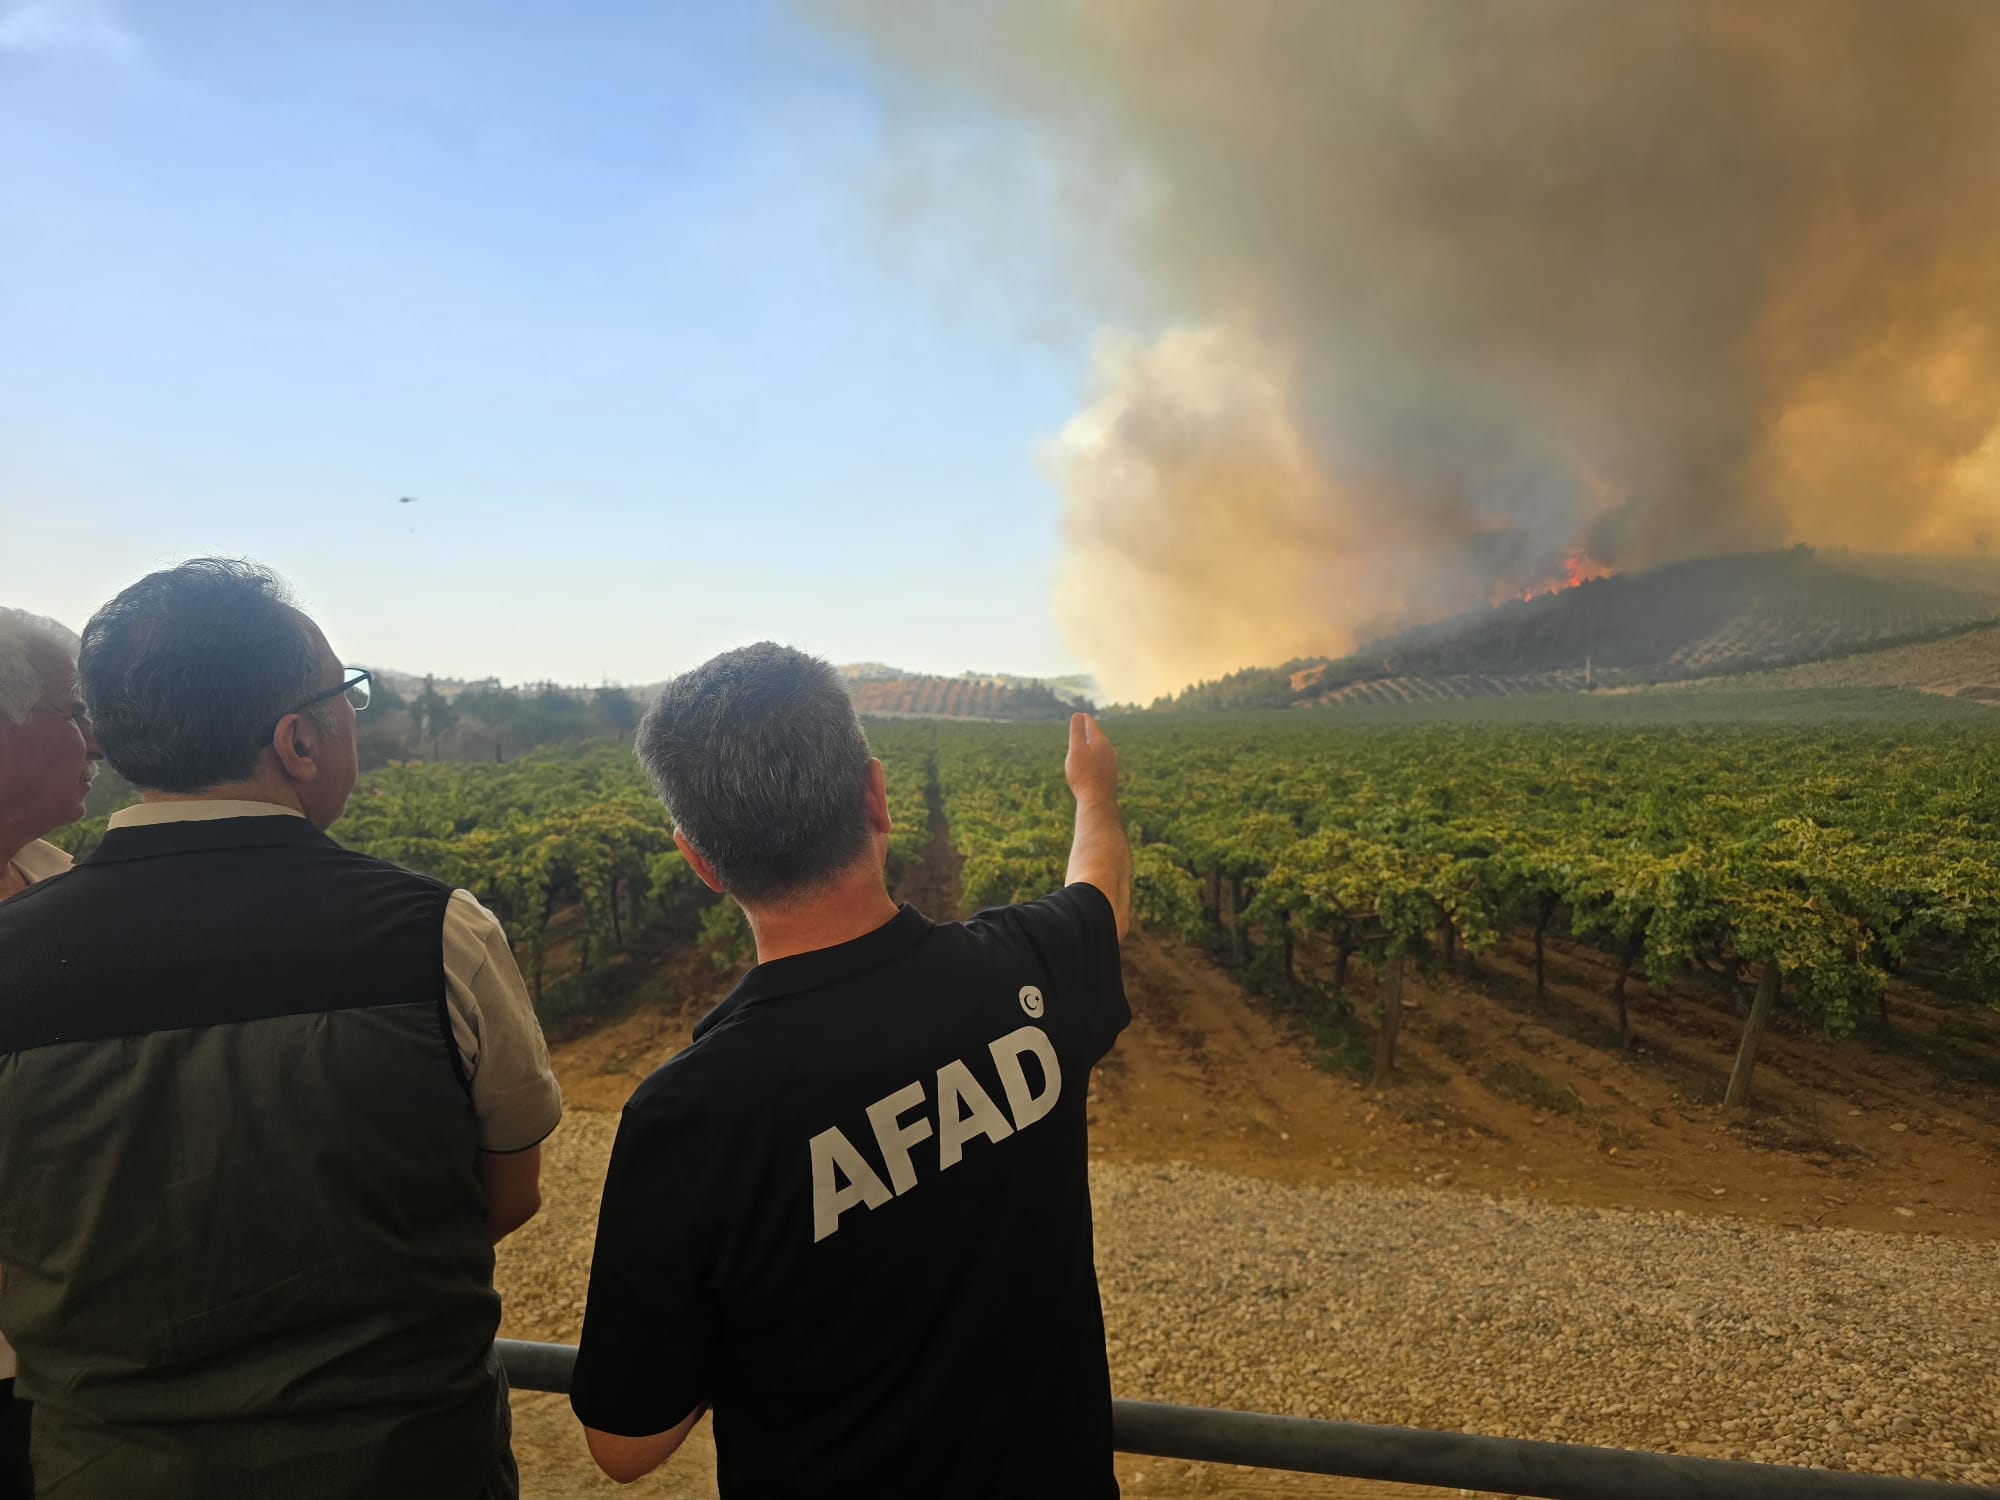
{"x":608,"y":286}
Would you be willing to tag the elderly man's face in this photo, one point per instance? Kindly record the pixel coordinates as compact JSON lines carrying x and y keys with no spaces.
{"x":46,"y":764}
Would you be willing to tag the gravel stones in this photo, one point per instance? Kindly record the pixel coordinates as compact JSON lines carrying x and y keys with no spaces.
{"x":1453,"y":1310}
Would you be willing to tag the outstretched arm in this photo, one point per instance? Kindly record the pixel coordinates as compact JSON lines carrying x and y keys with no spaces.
{"x":1099,"y":854}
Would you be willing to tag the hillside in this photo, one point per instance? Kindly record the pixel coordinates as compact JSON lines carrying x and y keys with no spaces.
{"x":1965,"y":664}
{"x":885,"y":692}
{"x":1707,"y":618}
{"x":966,"y":697}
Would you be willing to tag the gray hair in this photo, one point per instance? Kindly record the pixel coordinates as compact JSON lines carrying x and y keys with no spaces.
{"x":762,"y":764}
{"x":20,"y":682}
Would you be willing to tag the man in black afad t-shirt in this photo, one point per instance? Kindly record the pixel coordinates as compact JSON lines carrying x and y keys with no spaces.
{"x":853,"y":1215}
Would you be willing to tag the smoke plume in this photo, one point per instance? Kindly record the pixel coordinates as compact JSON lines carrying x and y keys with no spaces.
{"x":1446,"y":293}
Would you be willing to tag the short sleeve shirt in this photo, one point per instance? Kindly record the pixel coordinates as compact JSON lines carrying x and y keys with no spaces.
{"x":853,"y":1217}
{"x":40,"y":860}
{"x":514,"y":1090}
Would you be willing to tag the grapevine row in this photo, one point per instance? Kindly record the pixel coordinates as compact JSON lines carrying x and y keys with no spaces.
{"x":1813,"y":860}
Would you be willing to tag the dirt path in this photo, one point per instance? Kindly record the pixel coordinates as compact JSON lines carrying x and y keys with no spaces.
{"x":933,"y":888}
{"x":1491,"y":1093}
{"x":1206,"y":1076}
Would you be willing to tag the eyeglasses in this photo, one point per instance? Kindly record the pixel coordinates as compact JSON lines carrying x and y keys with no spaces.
{"x":356,"y":689}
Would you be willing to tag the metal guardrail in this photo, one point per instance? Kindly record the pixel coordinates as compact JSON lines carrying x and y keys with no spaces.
{"x":1413,"y":1455}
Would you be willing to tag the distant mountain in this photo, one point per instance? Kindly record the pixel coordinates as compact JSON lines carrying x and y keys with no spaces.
{"x":1704,"y":618}
{"x":885,"y":692}
{"x":1079,"y":688}
{"x":969,"y":696}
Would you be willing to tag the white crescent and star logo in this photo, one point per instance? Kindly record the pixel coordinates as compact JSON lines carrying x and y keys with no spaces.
{"x":1031,"y":1001}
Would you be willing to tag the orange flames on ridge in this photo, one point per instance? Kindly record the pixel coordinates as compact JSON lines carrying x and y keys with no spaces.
{"x":1579,"y":568}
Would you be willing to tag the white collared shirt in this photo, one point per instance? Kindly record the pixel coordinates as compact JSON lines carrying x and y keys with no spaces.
{"x":39,"y":861}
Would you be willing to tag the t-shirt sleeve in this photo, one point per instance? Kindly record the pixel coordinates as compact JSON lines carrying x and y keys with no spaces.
{"x":514,"y":1090}
{"x":647,"y":1355}
{"x":1074,"y":934}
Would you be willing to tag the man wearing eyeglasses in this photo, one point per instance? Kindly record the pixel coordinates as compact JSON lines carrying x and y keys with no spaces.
{"x":48,"y":754}
{"x":265,"y":1104}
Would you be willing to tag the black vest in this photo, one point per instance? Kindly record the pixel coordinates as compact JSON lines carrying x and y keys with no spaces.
{"x":245,"y":1242}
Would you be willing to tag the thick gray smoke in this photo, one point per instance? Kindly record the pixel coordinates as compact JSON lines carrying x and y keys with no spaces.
{"x":1456,"y":291}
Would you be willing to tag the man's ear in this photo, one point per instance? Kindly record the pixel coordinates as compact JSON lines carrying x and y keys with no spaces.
{"x":696,"y":862}
{"x":296,"y":743}
{"x":877,"y":795}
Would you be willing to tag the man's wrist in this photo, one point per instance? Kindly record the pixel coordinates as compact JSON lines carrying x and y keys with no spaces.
{"x":1090,"y":799}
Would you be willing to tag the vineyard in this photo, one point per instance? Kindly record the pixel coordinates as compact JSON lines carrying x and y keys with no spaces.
{"x":1780,"y":865}
{"x":1398,"y":691}
{"x":1530,"y":1232}
{"x":569,"y":839}
{"x":1799,"y":865}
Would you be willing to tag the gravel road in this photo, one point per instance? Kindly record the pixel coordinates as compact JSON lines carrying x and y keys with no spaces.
{"x":1640,"y":1330}
{"x":1450,"y":1310}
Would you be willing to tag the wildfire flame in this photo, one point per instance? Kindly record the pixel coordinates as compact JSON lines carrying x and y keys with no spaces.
{"x":1579,"y":568}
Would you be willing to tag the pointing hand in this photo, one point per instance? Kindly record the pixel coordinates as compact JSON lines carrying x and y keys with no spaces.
{"x":1092,"y":764}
